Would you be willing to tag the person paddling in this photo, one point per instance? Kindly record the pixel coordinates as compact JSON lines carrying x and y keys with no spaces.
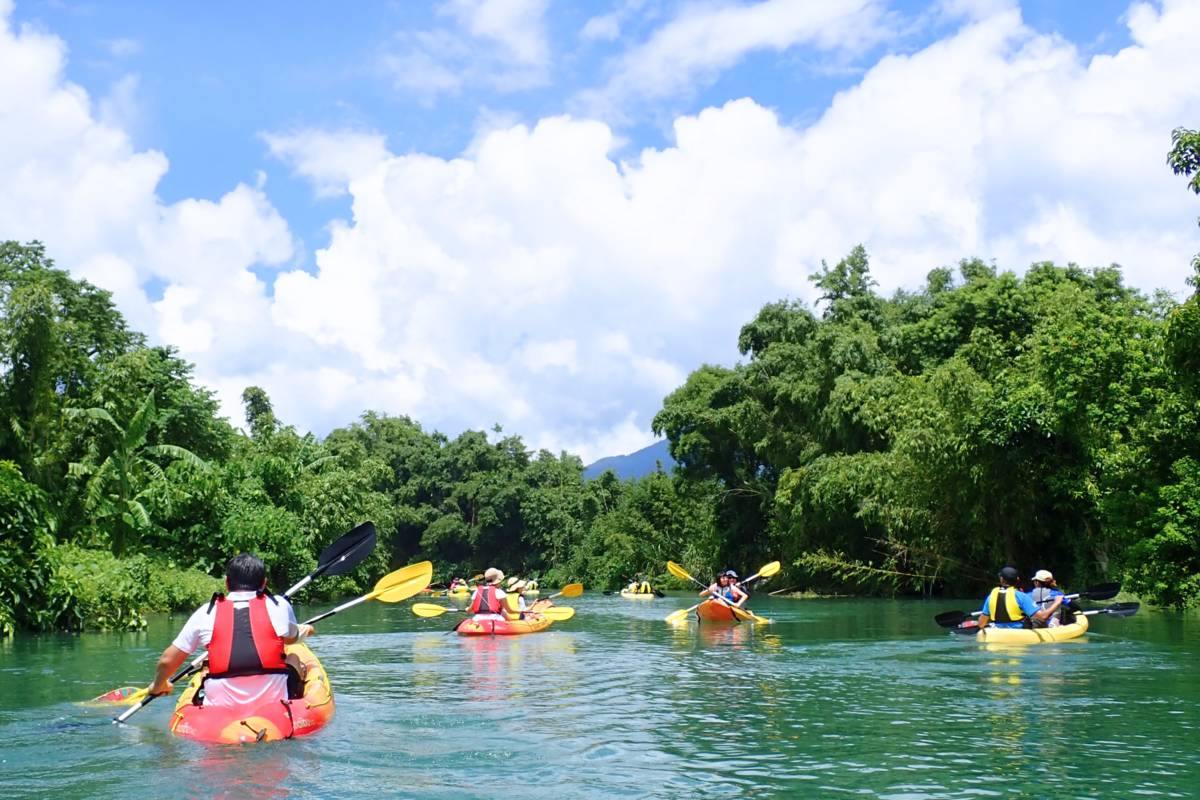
{"x":1007,"y":606}
{"x":488,"y":602}
{"x":516,"y":596}
{"x":726,"y":588}
{"x":1052,"y":610}
{"x":245,"y":633}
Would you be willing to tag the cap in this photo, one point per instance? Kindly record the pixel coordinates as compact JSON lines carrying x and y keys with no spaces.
{"x":729,"y":573}
{"x":1043,"y":575}
{"x":1010,"y":573}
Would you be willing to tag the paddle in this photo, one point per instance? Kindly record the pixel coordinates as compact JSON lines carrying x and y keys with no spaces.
{"x":553,"y":613}
{"x":1104,"y":591}
{"x":683,"y":574}
{"x":679,"y":572}
{"x":570,"y":590}
{"x":341,"y":556}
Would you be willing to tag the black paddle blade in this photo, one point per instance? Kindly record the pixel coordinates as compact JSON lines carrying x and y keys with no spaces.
{"x":348,"y":551}
{"x":951,"y":619}
{"x":1122,"y":609}
{"x":1105,"y":591}
{"x":971,"y":631}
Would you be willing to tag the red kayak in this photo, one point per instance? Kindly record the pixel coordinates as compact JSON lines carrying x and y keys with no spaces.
{"x":717,"y":611}
{"x":265,"y":723}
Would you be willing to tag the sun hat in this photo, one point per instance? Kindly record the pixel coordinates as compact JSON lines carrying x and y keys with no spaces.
{"x":1043,"y":575}
{"x":517,"y":586}
{"x":493,"y":575}
{"x":512,"y":581}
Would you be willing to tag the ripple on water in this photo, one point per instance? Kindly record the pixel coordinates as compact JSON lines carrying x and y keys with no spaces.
{"x":838,"y":698}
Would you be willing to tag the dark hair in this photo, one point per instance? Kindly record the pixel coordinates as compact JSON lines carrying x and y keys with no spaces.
{"x":245,"y":573}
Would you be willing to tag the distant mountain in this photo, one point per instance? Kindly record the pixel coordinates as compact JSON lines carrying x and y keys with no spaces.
{"x":634,"y":465}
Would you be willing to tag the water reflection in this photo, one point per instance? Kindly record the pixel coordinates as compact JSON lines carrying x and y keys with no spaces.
{"x":836,"y":698}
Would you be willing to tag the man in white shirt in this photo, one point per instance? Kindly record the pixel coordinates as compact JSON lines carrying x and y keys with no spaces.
{"x":246,"y":661}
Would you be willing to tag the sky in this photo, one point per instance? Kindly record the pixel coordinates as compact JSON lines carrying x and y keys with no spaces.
{"x":544,"y":215}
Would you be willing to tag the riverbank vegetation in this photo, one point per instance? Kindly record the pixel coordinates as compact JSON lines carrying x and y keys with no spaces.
{"x":909,"y":443}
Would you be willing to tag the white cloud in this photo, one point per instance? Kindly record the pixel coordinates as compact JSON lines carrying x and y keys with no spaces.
{"x":602,"y":28}
{"x":703,"y":40}
{"x":330,"y":159}
{"x":123,"y":48}
{"x":537,"y":282}
{"x":74,"y":180}
{"x":516,"y":25}
{"x":560,"y":354}
{"x":496,"y":44}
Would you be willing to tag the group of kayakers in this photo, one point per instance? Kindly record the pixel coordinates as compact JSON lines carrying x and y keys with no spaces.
{"x":246,"y":629}
{"x":1006,"y":606}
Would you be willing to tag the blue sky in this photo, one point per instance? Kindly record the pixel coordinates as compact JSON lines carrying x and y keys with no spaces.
{"x":545,"y":214}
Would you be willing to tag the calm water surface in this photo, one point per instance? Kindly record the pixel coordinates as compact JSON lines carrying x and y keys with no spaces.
{"x":837,"y":698}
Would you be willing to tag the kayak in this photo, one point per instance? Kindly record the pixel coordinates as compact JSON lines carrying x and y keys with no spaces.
{"x":267,"y":722}
{"x":994,"y":635}
{"x":532,"y":592}
{"x":628,"y":595}
{"x":714,"y":611}
{"x":501,"y":627}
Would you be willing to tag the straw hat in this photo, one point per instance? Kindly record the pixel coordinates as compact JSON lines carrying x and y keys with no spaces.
{"x":517,"y":586}
{"x":493,"y":575}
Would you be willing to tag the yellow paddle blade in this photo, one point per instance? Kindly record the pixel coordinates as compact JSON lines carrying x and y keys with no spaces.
{"x":678,"y":616}
{"x":430,"y":610}
{"x":124,"y":696}
{"x":749,"y":616}
{"x":769,"y":570}
{"x":412,"y":573}
{"x":557,"y":613}
{"x":571,"y":590}
{"x":678,"y":571}
{"x":402,"y":583}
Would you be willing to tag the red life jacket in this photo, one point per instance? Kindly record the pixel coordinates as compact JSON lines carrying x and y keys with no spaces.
{"x":244,"y":642}
{"x":485,"y":601}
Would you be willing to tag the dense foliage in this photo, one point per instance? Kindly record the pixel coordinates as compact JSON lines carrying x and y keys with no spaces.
{"x":122,"y":491}
{"x":910,"y":443}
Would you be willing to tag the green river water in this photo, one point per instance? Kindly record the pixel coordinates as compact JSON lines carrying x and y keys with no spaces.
{"x":837,"y":698}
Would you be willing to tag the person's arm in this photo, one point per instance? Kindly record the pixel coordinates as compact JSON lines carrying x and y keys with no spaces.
{"x":1048,"y":611}
{"x":171,"y":659}
{"x":301,"y":631}
{"x":710,"y":590}
{"x":295,"y":631}
{"x":742,"y":596}
{"x":983,"y":618}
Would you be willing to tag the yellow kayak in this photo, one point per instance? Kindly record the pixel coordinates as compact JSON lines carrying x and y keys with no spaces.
{"x":628,"y":595}
{"x":994,"y":635}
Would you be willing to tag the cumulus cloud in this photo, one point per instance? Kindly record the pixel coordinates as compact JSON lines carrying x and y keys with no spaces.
{"x":74,"y":180}
{"x":330,"y":159}
{"x":704,"y":40}
{"x":489,"y":275}
{"x":496,"y":44}
{"x":541,"y":282}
